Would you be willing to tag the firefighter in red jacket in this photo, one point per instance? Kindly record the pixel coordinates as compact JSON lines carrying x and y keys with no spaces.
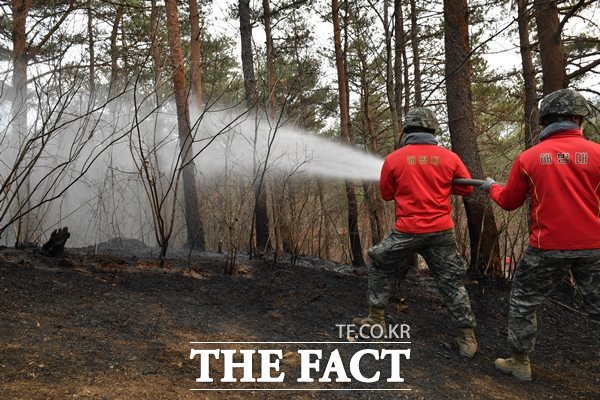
{"x":561,"y":175}
{"x":418,"y":177}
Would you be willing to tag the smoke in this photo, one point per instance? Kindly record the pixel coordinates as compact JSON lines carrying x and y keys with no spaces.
{"x":90,"y":160}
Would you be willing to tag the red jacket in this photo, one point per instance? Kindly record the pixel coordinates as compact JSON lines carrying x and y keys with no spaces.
{"x":561,"y":174}
{"x":419,"y":178}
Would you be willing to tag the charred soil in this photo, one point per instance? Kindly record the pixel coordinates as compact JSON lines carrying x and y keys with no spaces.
{"x":120,"y":326}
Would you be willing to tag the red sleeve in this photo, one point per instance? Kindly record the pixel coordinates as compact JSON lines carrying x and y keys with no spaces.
{"x":512,"y":195}
{"x":461,"y":172}
{"x":387,"y":182}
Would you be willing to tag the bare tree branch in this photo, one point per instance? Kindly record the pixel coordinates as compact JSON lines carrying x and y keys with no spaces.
{"x":573,"y":11}
{"x":584,"y":69}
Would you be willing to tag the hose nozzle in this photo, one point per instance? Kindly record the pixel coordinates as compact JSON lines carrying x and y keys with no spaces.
{"x":468,"y":182}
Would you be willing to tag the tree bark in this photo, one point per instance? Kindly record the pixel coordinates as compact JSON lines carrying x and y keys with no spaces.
{"x":195,"y":231}
{"x":114,"y":52}
{"x":162,"y":228}
{"x":414,"y":40}
{"x":30,"y":149}
{"x":324,"y":234}
{"x":90,"y":32}
{"x":195,"y":52}
{"x":247,"y":55}
{"x":399,"y":56}
{"x":389,"y":73}
{"x":20,"y":10}
{"x":355,"y":244}
{"x":270,"y":59}
{"x":530,"y":103}
{"x":261,"y":216}
{"x":156,"y":58}
{"x":485,"y":259}
{"x":552,"y":52}
{"x":372,"y":198}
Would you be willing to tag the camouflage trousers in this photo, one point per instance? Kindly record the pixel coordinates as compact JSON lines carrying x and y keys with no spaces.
{"x":538,"y":274}
{"x":395,"y":254}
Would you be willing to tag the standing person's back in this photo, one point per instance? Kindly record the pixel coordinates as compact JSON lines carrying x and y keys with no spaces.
{"x":562,"y":176}
{"x":418,"y":177}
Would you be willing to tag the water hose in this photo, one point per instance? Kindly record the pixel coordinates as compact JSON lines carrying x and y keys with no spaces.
{"x":468,"y":182}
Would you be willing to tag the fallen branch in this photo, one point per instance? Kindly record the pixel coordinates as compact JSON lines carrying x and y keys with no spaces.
{"x":570,"y":308}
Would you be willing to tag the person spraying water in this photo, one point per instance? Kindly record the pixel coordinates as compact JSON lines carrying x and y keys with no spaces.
{"x":419,"y":179}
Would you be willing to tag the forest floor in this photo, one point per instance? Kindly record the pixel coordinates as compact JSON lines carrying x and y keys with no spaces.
{"x":119,"y":326}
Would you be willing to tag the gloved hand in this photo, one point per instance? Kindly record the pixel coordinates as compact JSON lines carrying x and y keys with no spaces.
{"x":487,"y":184}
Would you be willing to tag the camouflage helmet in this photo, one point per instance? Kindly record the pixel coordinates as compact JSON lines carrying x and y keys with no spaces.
{"x":421,"y":117}
{"x":563,"y":102}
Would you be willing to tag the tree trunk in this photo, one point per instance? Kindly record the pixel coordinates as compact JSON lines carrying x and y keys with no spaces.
{"x":30,"y":149}
{"x":271,"y":111}
{"x":324,"y":234}
{"x":531,"y":114}
{"x":372,"y":198}
{"x":261,"y":216}
{"x":485,"y":259}
{"x":270,"y":60}
{"x":90,"y":32}
{"x":157,"y":67}
{"x":530,"y":104}
{"x":161,"y":230}
{"x":399,"y":56}
{"x":552,"y":52}
{"x":389,"y":74}
{"x":195,"y":52}
{"x":156,"y":58}
{"x":355,"y":245}
{"x":20,"y":10}
{"x":406,"y":107}
{"x":195,"y":231}
{"x":247,"y":56}
{"x":114,"y":52}
{"x":414,"y":39}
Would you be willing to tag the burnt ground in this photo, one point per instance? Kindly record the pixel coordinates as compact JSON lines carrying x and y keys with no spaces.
{"x":116,"y":326}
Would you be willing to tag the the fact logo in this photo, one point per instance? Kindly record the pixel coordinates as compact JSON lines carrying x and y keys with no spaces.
{"x":253,"y":365}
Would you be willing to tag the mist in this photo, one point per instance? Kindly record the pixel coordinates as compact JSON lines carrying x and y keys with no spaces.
{"x":92,"y":156}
